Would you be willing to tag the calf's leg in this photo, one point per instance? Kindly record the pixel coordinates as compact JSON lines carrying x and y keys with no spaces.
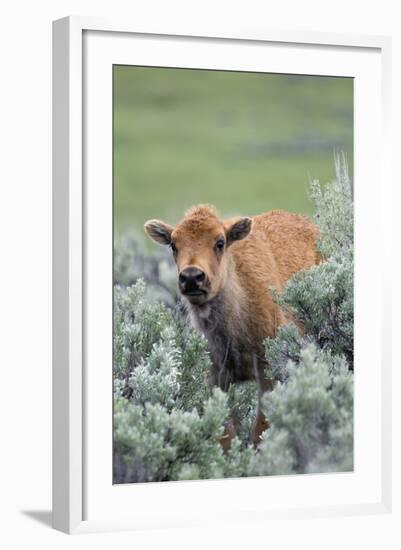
{"x":261,"y":423}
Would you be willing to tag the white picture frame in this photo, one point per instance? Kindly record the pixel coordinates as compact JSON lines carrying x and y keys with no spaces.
{"x":77,"y":479}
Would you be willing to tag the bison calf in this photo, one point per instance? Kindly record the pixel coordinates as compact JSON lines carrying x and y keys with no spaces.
{"x":226,"y":269}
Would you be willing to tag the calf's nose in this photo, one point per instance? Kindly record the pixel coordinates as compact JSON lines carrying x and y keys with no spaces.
{"x":191,"y":277}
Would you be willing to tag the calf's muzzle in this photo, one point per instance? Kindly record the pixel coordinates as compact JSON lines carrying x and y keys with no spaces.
{"x":191,"y":281}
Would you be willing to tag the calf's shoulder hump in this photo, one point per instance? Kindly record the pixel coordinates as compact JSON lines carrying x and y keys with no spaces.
{"x":289,"y":240}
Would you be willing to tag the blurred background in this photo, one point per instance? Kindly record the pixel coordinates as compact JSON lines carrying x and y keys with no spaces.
{"x":245,"y":142}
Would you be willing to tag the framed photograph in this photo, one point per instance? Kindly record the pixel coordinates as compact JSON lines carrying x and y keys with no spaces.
{"x":220,"y":303}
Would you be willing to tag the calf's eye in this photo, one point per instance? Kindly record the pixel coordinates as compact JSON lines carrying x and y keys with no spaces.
{"x":173,"y":248}
{"x":220,"y":245}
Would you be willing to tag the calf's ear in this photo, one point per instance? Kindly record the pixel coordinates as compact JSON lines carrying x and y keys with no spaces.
{"x":238,"y":230}
{"x":159,"y":231}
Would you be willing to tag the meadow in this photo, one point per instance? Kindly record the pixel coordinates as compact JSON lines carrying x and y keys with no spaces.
{"x":244,"y":142}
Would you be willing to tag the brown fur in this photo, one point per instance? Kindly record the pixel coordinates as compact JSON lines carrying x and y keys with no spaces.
{"x":238,"y":312}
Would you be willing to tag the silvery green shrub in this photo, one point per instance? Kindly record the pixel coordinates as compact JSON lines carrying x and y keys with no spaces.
{"x":133,"y":261}
{"x":158,"y":444}
{"x":322,"y":297}
{"x":311,"y":417}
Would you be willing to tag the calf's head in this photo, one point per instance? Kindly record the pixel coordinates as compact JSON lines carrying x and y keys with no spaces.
{"x":200,"y":246}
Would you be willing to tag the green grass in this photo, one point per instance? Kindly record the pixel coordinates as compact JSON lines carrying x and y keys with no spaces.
{"x":245,"y":142}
